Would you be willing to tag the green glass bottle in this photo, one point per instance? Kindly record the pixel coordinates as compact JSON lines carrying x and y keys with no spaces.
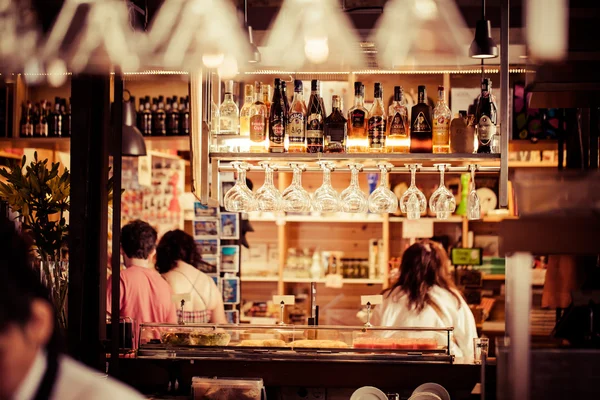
{"x":465,"y":180}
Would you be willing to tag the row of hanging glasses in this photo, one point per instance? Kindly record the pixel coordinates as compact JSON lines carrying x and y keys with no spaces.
{"x":326,"y":199}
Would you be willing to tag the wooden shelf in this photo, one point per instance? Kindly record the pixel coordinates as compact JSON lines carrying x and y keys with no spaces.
{"x":400,"y":157}
{"x":451,"y":220}
{"x":259,"y":279}
{"x":493,"y":277}
{"x":180,"y":143}
{"x":342,"y":218}
{"x":345,"y":281}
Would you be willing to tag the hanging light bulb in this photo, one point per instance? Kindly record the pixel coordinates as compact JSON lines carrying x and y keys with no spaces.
{"x":316,"y":49}
{"x":319,"y":27}
{"x":213,"y":60}
{"x":57,"y":72}
{"x":229,"y":68}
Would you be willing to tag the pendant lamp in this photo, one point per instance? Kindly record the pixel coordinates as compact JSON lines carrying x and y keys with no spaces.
{"x":133,"y":144}
{"x":483,"y":46}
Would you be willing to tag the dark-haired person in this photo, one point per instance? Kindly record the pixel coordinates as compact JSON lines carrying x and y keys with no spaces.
{"x":31,"y":364}
{"x":425,"y":296}
{"x":178,"y":259}
{"x":145,"y":295}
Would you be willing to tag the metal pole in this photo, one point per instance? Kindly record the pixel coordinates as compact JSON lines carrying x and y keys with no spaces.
{"x":505,"y":126}
{"x":117,"y":164}
{"x":199,"y":140}
{"x":518,"y":303}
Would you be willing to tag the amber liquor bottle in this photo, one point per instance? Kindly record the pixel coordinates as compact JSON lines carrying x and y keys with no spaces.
{"x":420,"y":125}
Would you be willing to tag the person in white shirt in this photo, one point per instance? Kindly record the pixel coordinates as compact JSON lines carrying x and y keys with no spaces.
{"x":178,"y":260}
{"x":31,"y":365}
{"x":425,"y":296}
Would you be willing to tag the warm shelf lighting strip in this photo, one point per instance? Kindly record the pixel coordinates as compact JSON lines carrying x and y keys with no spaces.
{"x":390,"y":72}
{"x":394,"y":170}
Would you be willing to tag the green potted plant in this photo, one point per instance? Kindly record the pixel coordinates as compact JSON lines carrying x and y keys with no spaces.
{"x":40,"y":197}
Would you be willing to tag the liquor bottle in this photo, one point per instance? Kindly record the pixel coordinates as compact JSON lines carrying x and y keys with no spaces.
{"x":66,"y":123}
{"x":377,"y":122}
{"x":215,"y":116}
{"x":266,"y":94}
{"x":297,"y":121}
{"x":245,"y":111}
{"x":159,"y":125}
{"x":26,"y":120}
{"x":277,"y":121}
{"x":398,"y":138}
{"x":441,"y":124}
{"x":146,"y":127}
{"x":285,"y":98}
{"x":259,"y":121}
{"x":42,"y":122}
{"x":173,"y":118}
{"x":460,"y":140}
{"x":420,"y":125}
{"x":357,"y":122}
{"x":55,"y":120}
{"x":229,"y":113}
{"x":485,"y":117}
{"x":315,"y":117}
{"x":184,"y":116}
{"x":336,"y":129}
{"x":139,"y":121}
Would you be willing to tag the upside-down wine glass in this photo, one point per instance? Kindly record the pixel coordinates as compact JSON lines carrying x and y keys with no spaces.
{"x":383,"y":200}
{"x":442,"y":201}
{"x":473,"y":204}
{"x":268,"y":197}
{"x":352,"y":198}
{"x":413,"y":202}
{"x":295,"y":197}
{"x":240,"y":198}
{"x":326,"y":198}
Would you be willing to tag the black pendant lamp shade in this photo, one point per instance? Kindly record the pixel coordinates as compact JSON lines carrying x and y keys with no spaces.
{"x":133,"y":144}
{"x":483,"y":46}
{"x":254,"y":52}
{"x":133,"y":141}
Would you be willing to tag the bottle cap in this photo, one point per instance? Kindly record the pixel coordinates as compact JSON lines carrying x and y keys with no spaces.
{"x":297,"y":85}
{"x":357,"y":88}
{"x":314,"y":85}
{"x":277,"y":82}
{"x":378,"y":90}
{"x":335,"y":101}
{"x":283,"y":86}
{"x":398,"y":93}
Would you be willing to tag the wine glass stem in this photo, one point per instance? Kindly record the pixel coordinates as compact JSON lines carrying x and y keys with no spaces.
{"x":413,"y":173}
{"x":297,"y":179}
{"x":268,"y":176}
{"x":242,"y":177}
{"x":383,"y":181}
{"x":326,"y":176}
{"x":441,"y":177}
{"x":472,"y":180}
{"x":354,"y":179}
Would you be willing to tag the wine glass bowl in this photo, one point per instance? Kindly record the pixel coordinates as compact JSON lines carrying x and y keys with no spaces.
{"x":352,"y":198}
{"x":295,"y":197}
{"x":240,"y":198}
{"x":268,"y":198}
{"x":442,"y":201}
{"x":413,"y":202}
{"x":326,"y":198}
{"x":383,"y":200}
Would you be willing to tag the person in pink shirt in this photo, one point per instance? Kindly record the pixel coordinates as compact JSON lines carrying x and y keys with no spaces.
{"x":145,"y":295}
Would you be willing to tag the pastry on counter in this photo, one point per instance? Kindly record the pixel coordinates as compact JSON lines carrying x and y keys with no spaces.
{"x":319,"y":344}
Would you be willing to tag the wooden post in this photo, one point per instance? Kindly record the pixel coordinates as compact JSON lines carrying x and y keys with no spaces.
{"x":282,"y":237}
{"x":88,"y":219}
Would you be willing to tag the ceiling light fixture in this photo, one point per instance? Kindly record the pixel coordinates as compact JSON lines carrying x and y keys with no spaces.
{"x":483,"y":46}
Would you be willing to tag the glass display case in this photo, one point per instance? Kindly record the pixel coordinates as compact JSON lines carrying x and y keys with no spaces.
{"x":296,"y":342}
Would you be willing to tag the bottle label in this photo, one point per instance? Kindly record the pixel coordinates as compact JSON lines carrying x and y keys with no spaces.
{"x":358,"y":119}
{"x":336,"y":133}
{"x":485,"y":129}
{"x":277,"y":131}
{"x":398,"y":125}
{"x":441,"y":131}
{"x":376,"y":132}
{"x":296,"y":128}
{"x":421,"y":124}
{"x":258,"y":130}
